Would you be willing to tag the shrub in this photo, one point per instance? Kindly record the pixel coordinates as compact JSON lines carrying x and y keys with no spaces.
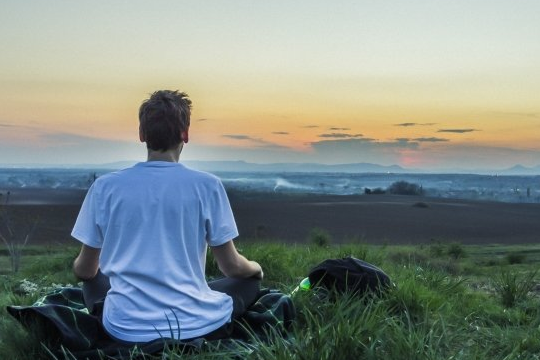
{"x":512,"y":287}
{"x":436,"y":248}
{"x":319,"y":237}
{"x":515,"y":258}
{"x":456,"y":251}
{"x":376,"y":191}
{"x":405,"y":188}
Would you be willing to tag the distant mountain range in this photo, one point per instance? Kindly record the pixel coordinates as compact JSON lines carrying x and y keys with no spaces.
{"x":242,"y":166}
{"x":522,"y":170}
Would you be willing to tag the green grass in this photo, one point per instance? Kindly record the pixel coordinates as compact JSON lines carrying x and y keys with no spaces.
{"x":477,"y":305}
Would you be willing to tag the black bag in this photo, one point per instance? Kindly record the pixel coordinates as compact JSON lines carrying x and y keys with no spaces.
{"x":349,"y":275}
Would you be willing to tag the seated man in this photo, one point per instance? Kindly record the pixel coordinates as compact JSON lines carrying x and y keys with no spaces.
{"x":146,"y":229}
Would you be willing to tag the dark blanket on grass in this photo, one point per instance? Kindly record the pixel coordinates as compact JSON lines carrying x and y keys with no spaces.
{"x":62,"y":322}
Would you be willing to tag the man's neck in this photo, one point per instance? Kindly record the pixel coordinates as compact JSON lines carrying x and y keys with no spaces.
{"x":171,"y":155}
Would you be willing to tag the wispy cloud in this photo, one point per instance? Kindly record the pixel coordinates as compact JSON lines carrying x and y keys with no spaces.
{"x":362,"y":150}
{"x":430,"y":139}
{"x":199,"y":120}
{"x":310,"y":126}
{"x":408,"y":124}
{"x":340,"y":135}
{"x":413,"y":152}
{"x":340,"y":142}
{"x":258,"y":142}
{"x":339,"y":129}
{"x":280,"y":133}
{"x":420,"y":140}
{"x":238,"y":137}
{"x":457,"y":131}
{"x":400,"y":142}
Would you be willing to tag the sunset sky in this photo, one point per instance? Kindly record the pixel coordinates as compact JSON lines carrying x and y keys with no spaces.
{"x":422,"y":84}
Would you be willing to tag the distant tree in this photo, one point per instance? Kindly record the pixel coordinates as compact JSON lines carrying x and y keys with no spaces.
{"x":405,"y":188}
{"x":376,"y":191}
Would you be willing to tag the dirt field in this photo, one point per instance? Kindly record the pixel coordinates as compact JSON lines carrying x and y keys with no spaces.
{"x":383,"y":219}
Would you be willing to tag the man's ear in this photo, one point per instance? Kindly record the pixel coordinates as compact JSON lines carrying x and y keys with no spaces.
{"x":141,"y":135}
{"x":185,"y":136}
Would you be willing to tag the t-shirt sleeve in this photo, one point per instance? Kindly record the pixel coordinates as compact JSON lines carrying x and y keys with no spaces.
{"x":87,"y":229}
{"x":220,"y":224}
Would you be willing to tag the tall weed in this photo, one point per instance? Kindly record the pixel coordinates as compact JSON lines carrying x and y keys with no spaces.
{"x":320,"y":237}
{"x":513,"y":287}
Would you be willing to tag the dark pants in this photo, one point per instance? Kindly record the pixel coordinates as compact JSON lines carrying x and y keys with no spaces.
{"x":242,"y":291}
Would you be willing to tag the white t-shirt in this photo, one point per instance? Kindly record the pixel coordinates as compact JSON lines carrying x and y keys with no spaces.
{"x":153,"y":222}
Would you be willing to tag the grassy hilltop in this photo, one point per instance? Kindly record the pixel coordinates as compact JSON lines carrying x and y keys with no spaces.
{"x":450,"y":302}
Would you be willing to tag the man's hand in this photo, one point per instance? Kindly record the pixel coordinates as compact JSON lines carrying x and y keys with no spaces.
{"x":232,"y":264}
{"x":259,"y":275}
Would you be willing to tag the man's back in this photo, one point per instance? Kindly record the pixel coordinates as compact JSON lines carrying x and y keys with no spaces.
{"x":152,"y":223}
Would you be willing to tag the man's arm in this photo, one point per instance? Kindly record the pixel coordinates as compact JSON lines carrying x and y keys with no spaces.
{"x":86,"y":265}
{"x":232,"y":264}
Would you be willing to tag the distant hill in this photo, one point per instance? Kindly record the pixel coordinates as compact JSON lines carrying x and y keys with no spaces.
{"x":521,"y":170}
{"x":243,"y":166}
{"x":108,"y":166}
{"x":237,"y":166}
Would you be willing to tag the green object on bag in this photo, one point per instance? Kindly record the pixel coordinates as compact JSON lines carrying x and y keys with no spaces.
{"x":305,"y":284}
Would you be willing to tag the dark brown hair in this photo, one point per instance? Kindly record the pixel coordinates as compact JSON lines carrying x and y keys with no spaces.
{"x":163,"y":117}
